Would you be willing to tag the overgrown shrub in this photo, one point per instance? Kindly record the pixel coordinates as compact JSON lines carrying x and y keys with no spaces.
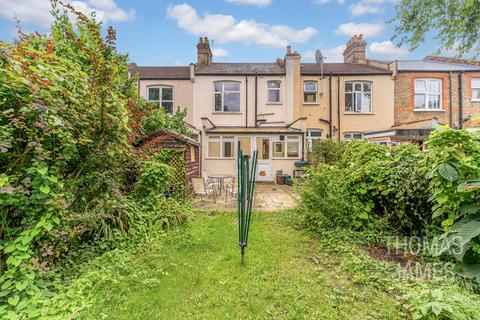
{"x":66,"y":103}
{"x":325,"y":151}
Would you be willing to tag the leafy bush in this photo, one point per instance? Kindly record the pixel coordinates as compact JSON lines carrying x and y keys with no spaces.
{"x":66,"y":106}
{"x":325,"y":151}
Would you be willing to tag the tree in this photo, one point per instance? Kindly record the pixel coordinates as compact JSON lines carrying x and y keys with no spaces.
{"x":454,"y":23}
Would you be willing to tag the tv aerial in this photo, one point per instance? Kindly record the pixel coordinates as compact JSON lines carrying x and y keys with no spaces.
{"x":319,"y":58}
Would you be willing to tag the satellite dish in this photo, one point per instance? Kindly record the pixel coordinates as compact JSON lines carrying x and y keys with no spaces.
{"x":319,"y":57}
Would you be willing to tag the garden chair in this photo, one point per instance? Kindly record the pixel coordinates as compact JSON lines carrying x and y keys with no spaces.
{"x":231,"y":188}
{"x":203,"y":190}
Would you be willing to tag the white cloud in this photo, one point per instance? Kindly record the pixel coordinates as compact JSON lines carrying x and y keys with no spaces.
{"x":37,"y":12}
{"x":389,"y":49}
{"x":225,"y":28}
{"x":321,"y":2}
{"x":367,"y":29}
{"x":334,"y":54}
{"x":219,"y":52}
{"x":360,"y":8}
{"x":258,"y":3}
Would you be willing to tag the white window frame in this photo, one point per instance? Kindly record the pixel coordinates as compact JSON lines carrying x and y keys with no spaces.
{"x":222,"y":93}
{"x":279,"y":89}
{"x":310,"y":91}
{"x":428,"y":95}
{"x":345,"y":134}
{"x":222,"y":139}
{"x":362,"y":108}
{"x":285,"y":141}
{"x":475,"y":85}
{"x":160,"y":95}
{"x":310,"y":139}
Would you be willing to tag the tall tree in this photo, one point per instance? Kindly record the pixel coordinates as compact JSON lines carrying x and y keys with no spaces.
{"x":454,"y":23}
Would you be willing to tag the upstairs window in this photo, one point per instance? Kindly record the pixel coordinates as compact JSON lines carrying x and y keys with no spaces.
{"x":227,"y":96}
{"x":163,"y":96}
{"x":476,"y":89}
{"x":358,"y":97}
{"x":310,"y":92}
{"x":353,"y":136}
{"x":273,"y":91}
{"x":428,"y":95}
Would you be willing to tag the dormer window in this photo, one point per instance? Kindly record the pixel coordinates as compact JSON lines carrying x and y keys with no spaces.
{"x":163,"y":95}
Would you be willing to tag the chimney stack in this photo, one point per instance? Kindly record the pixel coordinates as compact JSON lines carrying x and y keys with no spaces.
{"x":355,"y":49}
{"x":204,"y":53}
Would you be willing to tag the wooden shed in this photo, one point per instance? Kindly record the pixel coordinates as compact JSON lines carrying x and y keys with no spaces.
{"x":187,"y":149}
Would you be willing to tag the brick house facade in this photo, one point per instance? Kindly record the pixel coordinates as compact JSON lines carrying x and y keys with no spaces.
{"x":451,"y":90}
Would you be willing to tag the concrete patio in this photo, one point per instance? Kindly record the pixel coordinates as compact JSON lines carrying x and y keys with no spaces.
{"x":268,"y":197}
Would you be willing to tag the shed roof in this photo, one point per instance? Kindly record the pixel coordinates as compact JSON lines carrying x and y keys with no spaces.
{"x":168,"y":135}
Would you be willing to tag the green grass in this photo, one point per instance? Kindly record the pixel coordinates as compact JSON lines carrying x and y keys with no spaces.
{"x":195,"y":273}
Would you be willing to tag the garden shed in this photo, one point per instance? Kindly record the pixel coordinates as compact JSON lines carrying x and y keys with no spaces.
{"x":179,"y":151}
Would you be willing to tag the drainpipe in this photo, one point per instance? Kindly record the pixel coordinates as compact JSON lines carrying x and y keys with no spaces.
{"x":450,"y":107}
{"x":246,"y":101}
{"x":256,"y":98}
{"x":338,"y":105}
{"x":460,"y":100}
{"x":330,"y":104}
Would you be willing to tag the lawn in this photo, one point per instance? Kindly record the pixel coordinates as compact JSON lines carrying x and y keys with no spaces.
{"x":195,"y":273}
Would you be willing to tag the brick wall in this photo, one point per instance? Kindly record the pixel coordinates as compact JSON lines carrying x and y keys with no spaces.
{"x":404,"y":97}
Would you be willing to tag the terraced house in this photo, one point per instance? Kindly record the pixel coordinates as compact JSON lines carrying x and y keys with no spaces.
{"x":281,"y":108}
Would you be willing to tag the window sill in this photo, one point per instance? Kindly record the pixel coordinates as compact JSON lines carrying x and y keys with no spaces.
{"x":230,"y":112}
{"x":274,"y":103}
{"x":475,"y":100}
{"x":429,"y":110}
{"x":360,"y":113}
{"x":209,"y":158}
{"x":311,"y":104}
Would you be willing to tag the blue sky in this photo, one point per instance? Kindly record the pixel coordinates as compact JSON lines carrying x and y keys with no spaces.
{"x":158,"y":32}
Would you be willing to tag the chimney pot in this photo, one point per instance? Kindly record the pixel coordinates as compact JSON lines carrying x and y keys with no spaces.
{"x":289,"y":49}
{"x":204,"y":53}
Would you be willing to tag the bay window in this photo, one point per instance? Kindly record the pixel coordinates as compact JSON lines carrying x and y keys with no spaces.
{"x":273,"y":91}
{"x":163,"y":95}
{"x":221,"y":147}
{"x":310,"y":92}
{"x":227,"y":96}
{"x":475,"y":89}
{"x":358,"y":97}
{"x":428,"y":94}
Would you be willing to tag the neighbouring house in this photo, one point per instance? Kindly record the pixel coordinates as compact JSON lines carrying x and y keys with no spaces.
{"x":431,"y":92}
{"x":281,"y":108}
{"x":180,"y":152}
{"x":342,"y":101}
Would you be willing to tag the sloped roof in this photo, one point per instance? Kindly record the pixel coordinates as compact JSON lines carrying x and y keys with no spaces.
{"x":167,"y":134}
{"x":341,"y":68}
{"x":246,"y":68}
{"x":425,"y":65}
{"x":180,"y":73}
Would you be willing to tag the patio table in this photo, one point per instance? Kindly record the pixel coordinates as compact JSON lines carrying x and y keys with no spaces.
{"x":220,"y":180}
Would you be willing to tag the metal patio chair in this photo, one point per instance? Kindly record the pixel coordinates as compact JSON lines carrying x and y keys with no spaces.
{"x":202,"y":189}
